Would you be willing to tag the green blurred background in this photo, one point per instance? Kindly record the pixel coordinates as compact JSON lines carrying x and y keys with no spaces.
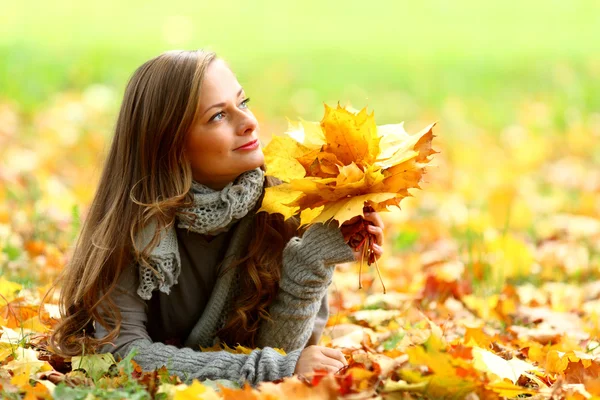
{"x":402,"y":59}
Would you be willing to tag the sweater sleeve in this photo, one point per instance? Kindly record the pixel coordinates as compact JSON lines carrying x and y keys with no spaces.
{"x":307,"y":271}
{"x":320,"y":322}
{"x":260,"y":365}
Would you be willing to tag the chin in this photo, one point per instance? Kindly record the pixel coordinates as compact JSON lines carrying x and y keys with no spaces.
{"x":249,"y":163}
{"x":252,"y":166}
{"x":258,"y":161}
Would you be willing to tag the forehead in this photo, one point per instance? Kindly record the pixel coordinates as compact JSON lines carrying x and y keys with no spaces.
{"x":219,"y":83}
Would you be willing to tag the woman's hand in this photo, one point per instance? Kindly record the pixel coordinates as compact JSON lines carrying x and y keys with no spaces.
{"x":319,"y":357}
{"x":375,"y":227}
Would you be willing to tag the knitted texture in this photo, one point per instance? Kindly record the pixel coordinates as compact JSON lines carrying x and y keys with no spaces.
{"x":307,"y":272}
{"x":296,"y":312}
{"x":258,"y":366}
{"x":308,"y":264}
{"x":213,"y":212}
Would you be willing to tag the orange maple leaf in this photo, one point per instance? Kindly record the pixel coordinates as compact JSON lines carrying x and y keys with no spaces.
{"x":333,"y":170}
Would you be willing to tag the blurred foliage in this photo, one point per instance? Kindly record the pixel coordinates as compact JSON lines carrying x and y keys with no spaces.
{"x":515,"y":94}
{"x":508,"y":221}
{"x":400,"y":58}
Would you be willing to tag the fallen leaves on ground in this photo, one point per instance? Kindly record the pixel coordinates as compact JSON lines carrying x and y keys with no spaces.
{"x":492,"y":270}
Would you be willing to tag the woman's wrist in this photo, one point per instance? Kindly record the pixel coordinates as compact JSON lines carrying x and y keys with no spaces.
{"x":325,"y":243}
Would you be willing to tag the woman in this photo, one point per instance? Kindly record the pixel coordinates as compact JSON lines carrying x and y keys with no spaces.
{"x":173,"y":256}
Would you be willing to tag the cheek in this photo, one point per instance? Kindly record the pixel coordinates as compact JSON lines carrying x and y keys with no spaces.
{"x":194,"y":148}
{"x":205,"y":146}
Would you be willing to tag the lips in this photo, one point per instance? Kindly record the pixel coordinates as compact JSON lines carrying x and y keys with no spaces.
{"x":247,"y":144}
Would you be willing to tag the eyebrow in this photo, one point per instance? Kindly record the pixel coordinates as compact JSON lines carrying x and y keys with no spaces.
{"x":221,"y":104}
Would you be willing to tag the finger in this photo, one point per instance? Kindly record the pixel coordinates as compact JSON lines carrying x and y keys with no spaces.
{"x":331,"y":364}
{"x":378,"y":250}
{"x":375,"y":218}
{"x":378,"y":232}
{"x":334,"y":354}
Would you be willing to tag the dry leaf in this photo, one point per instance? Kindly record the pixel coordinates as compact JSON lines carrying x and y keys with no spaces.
{"x":345,"y":168}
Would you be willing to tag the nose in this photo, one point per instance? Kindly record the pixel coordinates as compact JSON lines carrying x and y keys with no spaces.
{"x":248,"y":124}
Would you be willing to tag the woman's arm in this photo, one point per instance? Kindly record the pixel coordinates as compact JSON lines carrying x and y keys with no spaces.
{"x":307,"y":271}
{"x":259,"y":365}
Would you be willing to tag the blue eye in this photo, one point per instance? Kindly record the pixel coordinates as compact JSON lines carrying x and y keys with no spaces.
{"x":220,"y":115}
{"x":214,"y":117}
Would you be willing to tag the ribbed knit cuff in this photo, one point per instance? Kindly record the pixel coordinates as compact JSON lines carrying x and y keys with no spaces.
{"x":325,"y":243}
{"x":291,"y":359}
{"x":258,"y":366}
{"x":308,"y":261}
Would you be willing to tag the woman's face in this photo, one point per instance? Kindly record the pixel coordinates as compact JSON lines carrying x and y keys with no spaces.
{"x":224,"y":124}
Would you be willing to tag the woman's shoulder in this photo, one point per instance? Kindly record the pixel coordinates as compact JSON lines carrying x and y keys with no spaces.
{"x":129,"y":279}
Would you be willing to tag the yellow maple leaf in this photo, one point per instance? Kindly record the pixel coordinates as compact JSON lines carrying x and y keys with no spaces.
{"x":397,"y":146}
{"x":509,"y":390}
{"x":308,"y":133}
{"x":351,"y":137}
{"x":277,"y":198}
{"x":558,"y":361}
{"x":195,"y":391}
{"x":281,"y":158}
{"x":21,"y":376}
{"x":348,"y":163}
{"x":432,"y":355}
{"x":6,"y":349}
{"x":26,"y":363}
{"x":343,"y":210}
{"x":512,"y":369}
{"x":474,"y":336}
{"x":34,"y":324}
{"x":8,"y":289}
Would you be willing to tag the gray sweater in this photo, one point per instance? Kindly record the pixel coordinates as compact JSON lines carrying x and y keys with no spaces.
{"x":299,"y":313}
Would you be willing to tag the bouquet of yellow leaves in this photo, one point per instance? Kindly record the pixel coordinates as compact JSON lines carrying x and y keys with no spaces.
{"x":335,"y":169}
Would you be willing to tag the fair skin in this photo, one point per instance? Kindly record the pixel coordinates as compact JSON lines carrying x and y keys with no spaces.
{"x":223,"y":124}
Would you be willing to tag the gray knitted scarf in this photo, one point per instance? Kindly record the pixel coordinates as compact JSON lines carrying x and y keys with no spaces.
{"x":213,"y":212}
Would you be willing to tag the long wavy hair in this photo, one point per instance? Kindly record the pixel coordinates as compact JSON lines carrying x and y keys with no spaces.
{"x":147,"y":176}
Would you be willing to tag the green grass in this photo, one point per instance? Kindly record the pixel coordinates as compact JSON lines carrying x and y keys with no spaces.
{"x":403,"y":59}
